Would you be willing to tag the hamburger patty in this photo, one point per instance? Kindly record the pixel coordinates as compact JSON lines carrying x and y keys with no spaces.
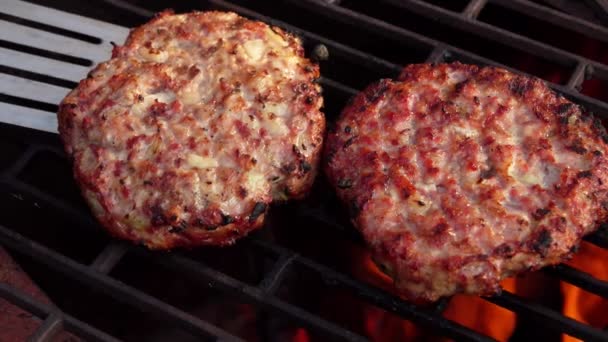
{"x":193,"y":128}
{"x":459,"y":176}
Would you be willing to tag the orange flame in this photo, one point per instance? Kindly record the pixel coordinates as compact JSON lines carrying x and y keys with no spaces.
{"x":579,"y":304}
{"x":470,"y":311}
{"x":379,"y":324}
{"x":473,"y":311}
{"x":483,"y":316}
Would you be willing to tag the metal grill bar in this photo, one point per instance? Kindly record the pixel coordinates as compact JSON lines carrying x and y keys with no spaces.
{"x":548,"y":15}
{"x":383,"y":299}
{"x":571,"y":327}
{"x":22,"y":300}
{"x":537,"y":311}
{"x":481,"y":29}
{"x":440,"y":306}
{"x":52,"y":325}
{"x":273,"y":279}
{"x":580,"y":279}
{"x":57,"y":204}
{"x":261,"y":296}
{"x":110,"y":286}
{"x":356,"y":56}
{"x":109,"y":257}
{"x":578,"y":76}
{"x":349,"y":17}
{"x":473,"y":8}
{"x":23,"y":160}
{"x":437,"y":55}
{"x":338,"y":86}
{"x":16,"y":297}
{"x":368,"y":23}
{"x":599,"y":238}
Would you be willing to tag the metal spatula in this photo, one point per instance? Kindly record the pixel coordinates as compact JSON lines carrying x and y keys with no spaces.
{"x":42,"y":52}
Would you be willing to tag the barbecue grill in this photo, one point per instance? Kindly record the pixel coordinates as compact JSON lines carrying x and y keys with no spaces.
{"x":47,"y":228}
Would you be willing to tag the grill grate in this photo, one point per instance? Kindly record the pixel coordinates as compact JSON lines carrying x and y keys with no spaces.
{"x":40,"y":62}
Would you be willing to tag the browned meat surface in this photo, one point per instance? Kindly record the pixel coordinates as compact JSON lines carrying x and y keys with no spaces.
{"x":193,"y":128}
{"x":459,"y":176}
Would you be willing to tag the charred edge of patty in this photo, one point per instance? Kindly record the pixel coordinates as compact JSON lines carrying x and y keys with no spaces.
{"x":177,"y":234}
{"x":537,"y":249}
{"x":304,"y":168}
{"x":368,"y":97}
{"x":344,"y":184}
{"x":225,"y":236}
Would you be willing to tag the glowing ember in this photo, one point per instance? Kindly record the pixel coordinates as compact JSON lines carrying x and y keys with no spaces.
{"x":301,"y":335}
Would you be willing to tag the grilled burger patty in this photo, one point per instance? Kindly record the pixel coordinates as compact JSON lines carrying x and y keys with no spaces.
{"x":459,"y":176}
{"x":193,"y":127}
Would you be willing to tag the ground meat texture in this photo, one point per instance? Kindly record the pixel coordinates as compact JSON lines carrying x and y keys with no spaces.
{"x":193,"y":128}
{"x":458,"y":176}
